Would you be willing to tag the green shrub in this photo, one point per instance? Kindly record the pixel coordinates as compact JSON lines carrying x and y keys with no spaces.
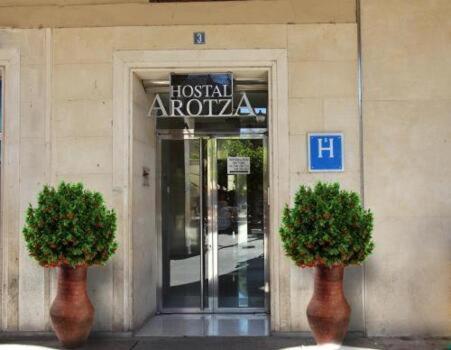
{"x":70,"y":225}
{"x":326,"y":226}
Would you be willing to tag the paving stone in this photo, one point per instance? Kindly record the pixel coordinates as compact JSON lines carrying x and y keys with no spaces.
{"x":230,"y":343}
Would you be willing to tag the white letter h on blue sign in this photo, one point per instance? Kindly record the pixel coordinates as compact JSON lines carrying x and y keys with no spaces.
{"x":322,"y":148}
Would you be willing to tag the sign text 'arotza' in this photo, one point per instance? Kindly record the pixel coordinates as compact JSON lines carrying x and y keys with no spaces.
{"x":201,"y":95}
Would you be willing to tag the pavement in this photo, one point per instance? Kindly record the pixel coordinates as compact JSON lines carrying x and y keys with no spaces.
{"x":230,"y":343}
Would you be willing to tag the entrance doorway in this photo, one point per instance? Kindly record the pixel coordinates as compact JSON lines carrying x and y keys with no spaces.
{"x":213,"y":203}
{"x":138,"y":77}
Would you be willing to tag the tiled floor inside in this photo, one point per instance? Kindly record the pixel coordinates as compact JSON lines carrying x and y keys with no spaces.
{"x":206,"y":325}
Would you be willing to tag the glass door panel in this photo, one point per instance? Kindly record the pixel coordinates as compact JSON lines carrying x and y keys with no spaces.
{"x":240,"y":224}
{"x":182,"y":222}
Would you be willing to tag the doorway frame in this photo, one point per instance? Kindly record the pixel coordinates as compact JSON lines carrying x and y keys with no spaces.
{"x":126,"y":63}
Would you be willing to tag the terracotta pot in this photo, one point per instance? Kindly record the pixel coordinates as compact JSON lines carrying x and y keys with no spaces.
{"x":72,"y":313}
{"x":328,"y":311}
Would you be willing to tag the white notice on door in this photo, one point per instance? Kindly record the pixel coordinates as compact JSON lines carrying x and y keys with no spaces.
{"x":238,"y":165}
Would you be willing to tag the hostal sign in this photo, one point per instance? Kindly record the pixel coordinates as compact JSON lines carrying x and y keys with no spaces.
{"x":201,"y":95}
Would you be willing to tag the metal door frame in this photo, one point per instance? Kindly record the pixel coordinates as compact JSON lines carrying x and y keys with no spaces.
{"x":211,"y":253}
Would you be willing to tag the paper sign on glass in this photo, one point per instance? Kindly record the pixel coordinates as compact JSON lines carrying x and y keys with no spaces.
{"x":238,"y":165}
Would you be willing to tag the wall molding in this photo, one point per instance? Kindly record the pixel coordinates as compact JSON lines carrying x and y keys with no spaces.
{"x":10,"y":205}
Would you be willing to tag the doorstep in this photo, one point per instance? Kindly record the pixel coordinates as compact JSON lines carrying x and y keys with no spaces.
{"x":206,"y":325}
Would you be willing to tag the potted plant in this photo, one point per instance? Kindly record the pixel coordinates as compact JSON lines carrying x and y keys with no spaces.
{"x":71,"y":229}
{"x":327,"y":228}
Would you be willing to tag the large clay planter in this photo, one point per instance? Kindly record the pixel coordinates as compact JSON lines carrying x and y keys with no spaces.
{"x":328,"y":311}
{"x":72,"y":313}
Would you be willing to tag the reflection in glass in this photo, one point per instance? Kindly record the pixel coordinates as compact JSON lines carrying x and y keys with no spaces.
{"x":181,"y":217}
{"x":240,"y":226}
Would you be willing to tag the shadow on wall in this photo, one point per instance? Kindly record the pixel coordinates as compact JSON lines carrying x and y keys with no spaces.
{"x":100,"y":293}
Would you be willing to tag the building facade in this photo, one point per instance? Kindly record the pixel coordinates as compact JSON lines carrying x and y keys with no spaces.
{"x":79,"y":86}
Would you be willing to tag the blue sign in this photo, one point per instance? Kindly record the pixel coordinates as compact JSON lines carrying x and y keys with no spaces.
{"x":325,"y":152}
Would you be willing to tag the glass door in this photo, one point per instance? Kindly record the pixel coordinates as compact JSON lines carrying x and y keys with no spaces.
{"x":213,"y":224}
{"x":184,"y":279}
{"x":239,"y":235}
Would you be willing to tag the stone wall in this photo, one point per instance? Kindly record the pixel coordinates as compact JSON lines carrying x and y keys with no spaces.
{"x":74,"y":14}
{"x":81,"y":147}
{"x":407,"y":148}
{"x":27,"y":307}
{"x":66,"y":133}
{"x":322,"y":97}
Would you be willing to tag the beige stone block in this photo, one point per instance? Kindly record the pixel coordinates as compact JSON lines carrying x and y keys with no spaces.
{"x":298,"y":153}
{"x":311,"y":11}
{"x":408,"y":77}
{"x":217,"y":37}
{"x":407,"y":157}
{"x":84,"y":155}
{"x":406,"y":286}
{"x":82,"y":118}
{"x":405,"y":28}
{"x":269,"y":36}
{"x":341,"y":114}
{"x":406,"y":49}
{"x":32,"y":311}
{"x":83,"y":45}
{"x":285,"y":310}
{"x":300,"y":294}
{"x":144,"y":14}
{"x":32,"y":158}
{"x":406,"y":192}
{"x":64,"y":2}
{"x":306,"y":115}
{"x":322,"y":42}
{"x":352,"y":151}
{"x":347,"y":180}
{"x":323,"y":79}
{"x":102,"y":183}
{"x":33,"y":118}
{"x":83,"y":81}
{"x":31,"y":43}
{"x":32,"y":82}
